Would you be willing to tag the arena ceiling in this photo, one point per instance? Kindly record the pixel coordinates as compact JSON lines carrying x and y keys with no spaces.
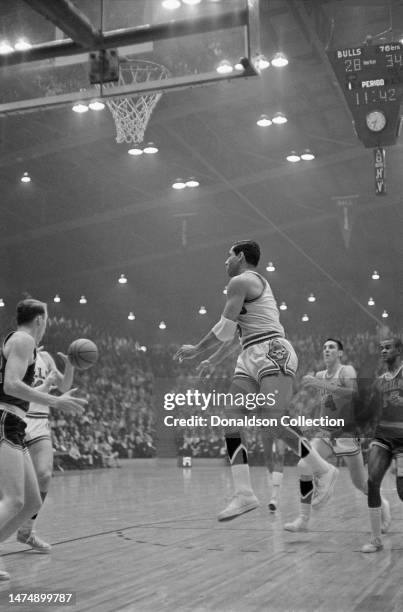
{"x":93,"y":212}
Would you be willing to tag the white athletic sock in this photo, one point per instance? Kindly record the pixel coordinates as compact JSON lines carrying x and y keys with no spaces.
{"x":305,"y":511}
{"x":241,"y":478}
{"x":269,"y":480}
{"x":375,"y":520}
{"x":277,"y":480}
{"x":28,"y":525}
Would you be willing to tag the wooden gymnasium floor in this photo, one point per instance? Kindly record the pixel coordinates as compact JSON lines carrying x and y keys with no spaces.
{"x":145,"y":538}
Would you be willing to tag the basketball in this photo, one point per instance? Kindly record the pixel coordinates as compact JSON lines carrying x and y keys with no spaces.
{"x":82,"y":353}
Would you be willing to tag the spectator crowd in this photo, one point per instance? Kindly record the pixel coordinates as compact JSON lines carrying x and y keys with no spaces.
{"x":121,"y":418}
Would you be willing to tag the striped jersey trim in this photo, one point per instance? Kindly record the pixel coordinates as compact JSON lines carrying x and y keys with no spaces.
{"x":37,"y":415}
{"x":258,"y":338}
{"x":391,"y":424}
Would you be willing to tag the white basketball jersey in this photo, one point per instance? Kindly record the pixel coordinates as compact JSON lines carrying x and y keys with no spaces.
{"x":259,"y":318}
{"x":43,"y":367}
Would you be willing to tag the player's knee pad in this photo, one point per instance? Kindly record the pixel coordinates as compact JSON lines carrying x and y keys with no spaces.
{"x":303,"y":469}
{"x":236,"y":450}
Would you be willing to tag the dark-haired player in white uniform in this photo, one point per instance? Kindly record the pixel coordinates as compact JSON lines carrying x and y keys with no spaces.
{"x":388,"y":437}
{"x":336,"y":386}
{"x":38,"y":438}
{"x":19,"y":491}
{"x":266,"y":366}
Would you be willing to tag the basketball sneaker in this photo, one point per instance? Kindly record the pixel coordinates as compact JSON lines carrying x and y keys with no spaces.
{"x":324,"y":486}
{"x":240,"y":503}
{"x":32,"y":540}
{"x":386,"y":517}
{"x":300,"y":524}
{"x":373,"y":546}
{"x":272,"y":505}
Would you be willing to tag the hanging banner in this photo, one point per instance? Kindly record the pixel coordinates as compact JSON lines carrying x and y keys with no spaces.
{"x":345,"y":205}
{"x":380,"y":171}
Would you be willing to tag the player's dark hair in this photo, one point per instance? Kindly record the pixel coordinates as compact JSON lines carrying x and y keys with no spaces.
{"x":250,"y":249}
{"x":28,"y":309}
{"x":338,"y":342}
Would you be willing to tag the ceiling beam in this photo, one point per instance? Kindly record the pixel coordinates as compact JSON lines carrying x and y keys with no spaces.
{"x":127,"y":36}
{"x":68,"y":18}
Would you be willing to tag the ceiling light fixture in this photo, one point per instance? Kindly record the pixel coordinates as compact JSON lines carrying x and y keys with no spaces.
{"x":80,"y":107}
{"x":83,"y":299}
{"x":96,"y":105}
{"x":171,"y":5}
{"x":150,"y":148}
{"x":135,"y":151}
{"x":162,"y":325}
{"x":56,"y":299}
{"x":122,"y":279}
{"x":179,"y":184}
{"x":224,"y":67}
{"x":25,"y":178}
{"x":264,"y":121}
{"x":293,"y":157}
{"x":375,"y":275}
{"x":270,"y":267}
{"x":5,"y":48}
{"x":279,"y":119}
{"x":261,"y":62}
{"x":2,"y":304}
{"x":311,"y":298}
{"x":279,"y":60}
{"x":305,"y":318}
{"x":307,"y":155}
{"x":371,"y":302}
{"x":192,"y":182}
{"x":283,"y":306}
{"x":202,"y":310}
{"x":22,"y":44}
{"x":385,"y":314}
{"x":131,"y":316}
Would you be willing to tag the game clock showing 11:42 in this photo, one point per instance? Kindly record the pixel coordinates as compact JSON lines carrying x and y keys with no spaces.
{"x":371,"y":79}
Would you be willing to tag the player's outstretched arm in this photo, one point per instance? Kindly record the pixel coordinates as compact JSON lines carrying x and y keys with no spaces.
{"x":21,"y":349}
{"x":225,"y":329}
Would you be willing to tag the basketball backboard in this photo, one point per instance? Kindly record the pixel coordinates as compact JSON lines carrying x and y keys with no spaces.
{"x":190,"y":42}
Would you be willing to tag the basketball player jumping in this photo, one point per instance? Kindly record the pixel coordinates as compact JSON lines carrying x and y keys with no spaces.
{"x":38,"y":439}
{"x":336,"y":385}
{"x":274,"y":448}
{"x":266,"y":365}
{"x":388,"y":437}
{"x":19,"y":492}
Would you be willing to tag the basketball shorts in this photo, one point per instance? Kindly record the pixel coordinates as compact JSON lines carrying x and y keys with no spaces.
{"x":37,"y":429}
{"x":393,"y":445}
{"x":12,"y":430}
{"x":341,"y":447}
{"x":268,"y":358}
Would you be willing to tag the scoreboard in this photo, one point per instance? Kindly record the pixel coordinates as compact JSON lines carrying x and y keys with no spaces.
{"x":371,"y":78}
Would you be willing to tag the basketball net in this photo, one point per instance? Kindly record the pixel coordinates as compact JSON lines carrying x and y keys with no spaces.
{"x":132,"y":113}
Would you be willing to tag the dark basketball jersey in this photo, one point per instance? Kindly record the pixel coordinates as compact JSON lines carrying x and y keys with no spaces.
{"x":390,"y":384}
{"x":28,"y":380}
